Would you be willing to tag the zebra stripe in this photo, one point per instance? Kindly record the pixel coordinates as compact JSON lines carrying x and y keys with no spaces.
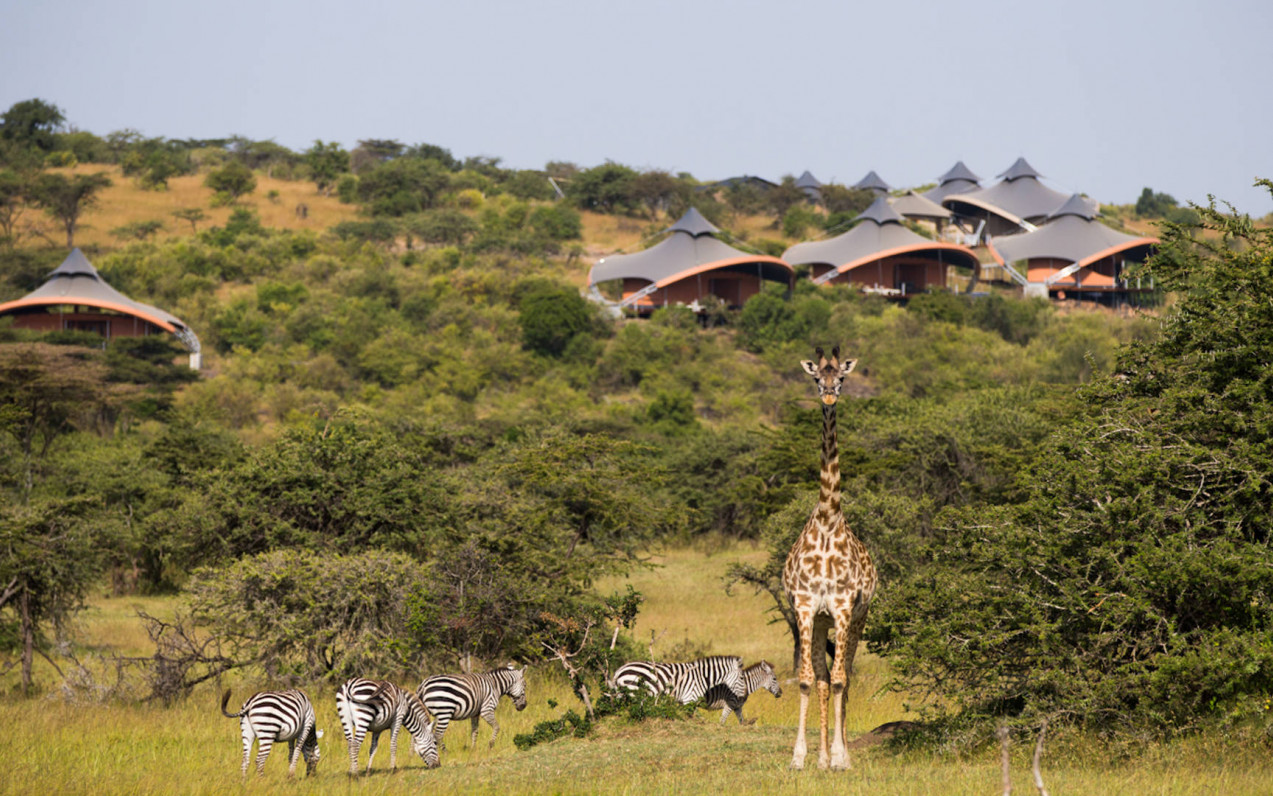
{"x":471,"y":696}
{"x":375,"y":706}
{"x":685,"y":682}
{"x":755,"y":677}
{"x":273,"y":716}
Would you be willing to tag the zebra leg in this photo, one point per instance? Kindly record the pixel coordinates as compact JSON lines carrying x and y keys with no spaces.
{"x":441,"y":721}
{"x":293,"y":755}
{"x":724,"y":714}
{"x":263,"y":746}
{"x":473,"y":739}
{"x":371,"y":753}
{"x":247,"y":750}
{"x":494,"y":728}
{"x":393,"y":742}
{"x":355,"y":746}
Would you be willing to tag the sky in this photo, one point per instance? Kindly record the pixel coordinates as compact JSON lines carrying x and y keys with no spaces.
{"x":1105,"y":98}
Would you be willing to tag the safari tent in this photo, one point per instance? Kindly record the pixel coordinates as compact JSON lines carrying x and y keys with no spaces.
{"x":74,"y":296}
{"x":686,"y":267}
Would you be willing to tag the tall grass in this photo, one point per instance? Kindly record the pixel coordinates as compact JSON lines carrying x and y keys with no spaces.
{"x":56,"y":746}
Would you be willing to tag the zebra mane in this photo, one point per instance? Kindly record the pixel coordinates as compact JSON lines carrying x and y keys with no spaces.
{"x":759,"y":665}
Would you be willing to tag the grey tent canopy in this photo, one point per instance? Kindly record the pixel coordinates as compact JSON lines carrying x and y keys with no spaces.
{"x":807,"y":180}
{"x":877,"y":233}
{"x":1072,"y":236}
{"x":1019,"y":198}
{"x":913,"y":205}
{"x":692,"y":248}
{"x":872,"y":182}
{"x":959,"y":179}
{"x":76,"y":282}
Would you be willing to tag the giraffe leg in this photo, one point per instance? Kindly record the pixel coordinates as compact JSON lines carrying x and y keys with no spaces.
{"x":804,"y":620}
{"x":839,"y":685}
{"x":820,"y":626}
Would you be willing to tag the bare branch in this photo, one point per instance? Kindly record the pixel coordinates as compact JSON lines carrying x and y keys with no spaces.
{"x":1038,"y":753}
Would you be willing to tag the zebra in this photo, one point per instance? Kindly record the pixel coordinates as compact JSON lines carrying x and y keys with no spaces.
{"x":273,"y":716}
{"x":374,"y":706}
{"x":755,"y":677}
{"x":685,"y":682}
{"x":471,"y":696}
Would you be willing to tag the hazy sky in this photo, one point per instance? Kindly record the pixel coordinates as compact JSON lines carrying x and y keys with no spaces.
{"x":1101,"y":97}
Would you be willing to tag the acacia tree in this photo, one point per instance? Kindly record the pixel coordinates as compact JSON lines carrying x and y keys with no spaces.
{"x":49,"y":558}
{"x":65,"y":198}
{"x":326,"y":163}
{"x":45,"y":390}
{"x":230,"y":182}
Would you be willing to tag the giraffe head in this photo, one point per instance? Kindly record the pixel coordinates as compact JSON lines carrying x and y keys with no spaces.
{"x":828,"y":374}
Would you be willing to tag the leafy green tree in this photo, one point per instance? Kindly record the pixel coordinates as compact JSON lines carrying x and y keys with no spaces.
{"x":434,"y":152}
{"x":138,"y":230}
{"x":230,"y":182}
{"x":310,"y":614}
{"x":49,"y":559}
{"x":341,"y":486}
{"x":326,"y":163}
{"x":442,"y":226}
{"x":607,"y":188}
{"x":65,"y":198}
{"x":1154,"y":205}
{"x":192,"y":215}
{"x":47,"y":391}
{"x":551,"y":318}
{"x":1127,"y":589}
{"x":402,"y":186}
{"x":13,"y":191}
{"x":32,"y":123}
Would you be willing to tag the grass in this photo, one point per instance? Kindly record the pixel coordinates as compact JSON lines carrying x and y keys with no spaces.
{"x":65,"y":747}
{"x":124,"y":203}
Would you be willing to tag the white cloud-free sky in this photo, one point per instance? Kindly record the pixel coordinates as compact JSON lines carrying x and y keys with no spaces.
{"x":1101,"y":97}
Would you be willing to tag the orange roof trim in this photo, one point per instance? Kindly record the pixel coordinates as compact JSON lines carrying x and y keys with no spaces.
{"x":928,"y":246}
{"x":88,"y":302}
{"x":712,"y":266}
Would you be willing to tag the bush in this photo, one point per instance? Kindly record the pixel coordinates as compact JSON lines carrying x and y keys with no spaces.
{"x":550,"y":318}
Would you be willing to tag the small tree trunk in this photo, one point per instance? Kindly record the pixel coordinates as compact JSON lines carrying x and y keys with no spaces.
{"x":1038,"y":754}
{"x":28,"y":638}
{"x":1003,"y":761}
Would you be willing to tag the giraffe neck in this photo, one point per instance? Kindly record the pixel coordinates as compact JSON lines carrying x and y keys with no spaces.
{"x":829,"y":489}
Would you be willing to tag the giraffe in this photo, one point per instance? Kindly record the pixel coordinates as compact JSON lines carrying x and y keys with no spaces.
{"x":829,"y":580}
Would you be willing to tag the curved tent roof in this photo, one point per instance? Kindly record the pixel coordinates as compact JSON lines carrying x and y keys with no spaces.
{"x":873,"y":182}
{"x":959,"y":179}
{"x":1018,"y":197}
{"x":913,"y":205}
{"x":878,"y":233}
{"x":77,"y":282}
{"x":692,"y":248}
{"x":1072,"y":234}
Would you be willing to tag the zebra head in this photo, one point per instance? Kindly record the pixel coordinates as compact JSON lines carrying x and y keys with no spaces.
{"x":768,"y":680}
{"x":425,"y":746}
{"x":517,"y":687}
{"x":310,"y":751}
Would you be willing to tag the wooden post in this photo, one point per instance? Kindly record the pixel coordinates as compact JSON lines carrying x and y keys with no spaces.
{"x":1003,"y":760}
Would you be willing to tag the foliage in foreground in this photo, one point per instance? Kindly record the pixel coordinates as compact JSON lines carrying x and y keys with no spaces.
{"x":636,"y":706}
{"x":1130,"y":589}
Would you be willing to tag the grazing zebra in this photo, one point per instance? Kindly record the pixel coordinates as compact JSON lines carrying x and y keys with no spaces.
{"x":273,"y":716}
{"x":471,"y":696}
{"x":375,"y":706}
{"x":686,"y":682}
{"x":755,"y":677}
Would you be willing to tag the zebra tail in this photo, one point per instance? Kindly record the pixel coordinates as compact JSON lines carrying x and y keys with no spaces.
{"x":225,"y":700}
